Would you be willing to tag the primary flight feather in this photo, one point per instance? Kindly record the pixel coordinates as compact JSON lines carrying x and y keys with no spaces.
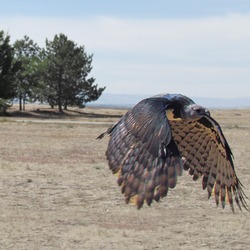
{"x":162,"y":135}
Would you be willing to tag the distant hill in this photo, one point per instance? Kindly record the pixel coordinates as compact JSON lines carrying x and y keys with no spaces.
{"x":115,"y":100}
{"x":126,"y":101}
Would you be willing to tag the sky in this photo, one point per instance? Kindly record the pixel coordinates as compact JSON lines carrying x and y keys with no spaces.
{"x":199,"y":48}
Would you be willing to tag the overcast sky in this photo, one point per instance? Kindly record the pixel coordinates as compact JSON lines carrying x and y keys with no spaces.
{"x":200,"y":48}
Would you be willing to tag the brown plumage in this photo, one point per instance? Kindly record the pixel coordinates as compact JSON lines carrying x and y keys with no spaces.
{"x":162,"y":135}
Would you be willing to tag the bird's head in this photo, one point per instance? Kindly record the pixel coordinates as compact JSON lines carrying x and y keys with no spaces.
{"x":180,"y":107}
{"x":193,"y":112}
{"x":189,"y":112}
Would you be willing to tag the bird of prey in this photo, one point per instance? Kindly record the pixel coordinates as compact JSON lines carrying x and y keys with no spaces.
{"x":162,"y":135}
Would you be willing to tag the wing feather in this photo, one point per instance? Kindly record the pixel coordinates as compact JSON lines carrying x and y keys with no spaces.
{"x":207,"y":153}
{"x":143,"y":154}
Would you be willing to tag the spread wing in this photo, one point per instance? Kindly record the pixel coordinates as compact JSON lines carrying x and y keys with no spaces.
{"x":141,"y":151}
{"x":207,"y":153}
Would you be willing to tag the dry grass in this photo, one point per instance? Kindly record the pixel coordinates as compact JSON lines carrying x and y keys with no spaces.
{"x":56,"y":191}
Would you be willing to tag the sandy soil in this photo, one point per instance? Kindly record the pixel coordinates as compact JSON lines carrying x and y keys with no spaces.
{"x":56,"y":192}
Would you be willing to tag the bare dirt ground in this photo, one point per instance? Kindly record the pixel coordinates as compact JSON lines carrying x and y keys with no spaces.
{"x":56,"y":191}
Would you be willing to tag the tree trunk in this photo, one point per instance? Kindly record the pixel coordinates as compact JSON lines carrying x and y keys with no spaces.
{"x":20,"y":102}
{"x":60,"y":107}
{"x":24,"y":103}
{"x":60,"y":91}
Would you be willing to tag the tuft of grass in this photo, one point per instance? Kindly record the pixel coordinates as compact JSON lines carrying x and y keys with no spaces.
{"x":3,"y":119}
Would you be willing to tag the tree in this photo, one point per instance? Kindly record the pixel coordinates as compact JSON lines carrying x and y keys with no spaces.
{"x":27,"y":55}
{"x":8,"y":68}
{"x":66,"y":69}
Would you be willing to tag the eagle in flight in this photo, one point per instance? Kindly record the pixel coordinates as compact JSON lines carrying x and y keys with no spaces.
{"x":162,"y":135}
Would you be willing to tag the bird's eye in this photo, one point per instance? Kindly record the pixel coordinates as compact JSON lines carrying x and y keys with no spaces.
{"x":198,"y":111}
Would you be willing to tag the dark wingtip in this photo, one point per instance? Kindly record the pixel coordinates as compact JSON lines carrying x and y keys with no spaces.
{"x":100,"y":136}
{"x":109,"y":131}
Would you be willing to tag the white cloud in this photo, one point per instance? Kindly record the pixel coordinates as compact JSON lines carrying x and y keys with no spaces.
{"x":156,"y":55}
{"x":136,"y":34}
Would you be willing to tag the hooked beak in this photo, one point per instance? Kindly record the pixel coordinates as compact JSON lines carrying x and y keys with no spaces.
{"x":207,"y":113}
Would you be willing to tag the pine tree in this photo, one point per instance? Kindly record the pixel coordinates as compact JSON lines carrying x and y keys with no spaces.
{"x":27,"y":55}
{"x":7,"y":67}
{"x":65,"y":75}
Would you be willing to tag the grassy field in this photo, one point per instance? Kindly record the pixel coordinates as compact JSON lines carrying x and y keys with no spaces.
{"x":56,"y":191}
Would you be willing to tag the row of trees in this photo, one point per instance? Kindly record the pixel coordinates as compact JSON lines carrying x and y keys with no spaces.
{"x":56,"y":74}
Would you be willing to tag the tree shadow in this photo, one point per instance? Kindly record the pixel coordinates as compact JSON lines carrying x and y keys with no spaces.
{"x":55,"y":114}
{"x":78,"y":113}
